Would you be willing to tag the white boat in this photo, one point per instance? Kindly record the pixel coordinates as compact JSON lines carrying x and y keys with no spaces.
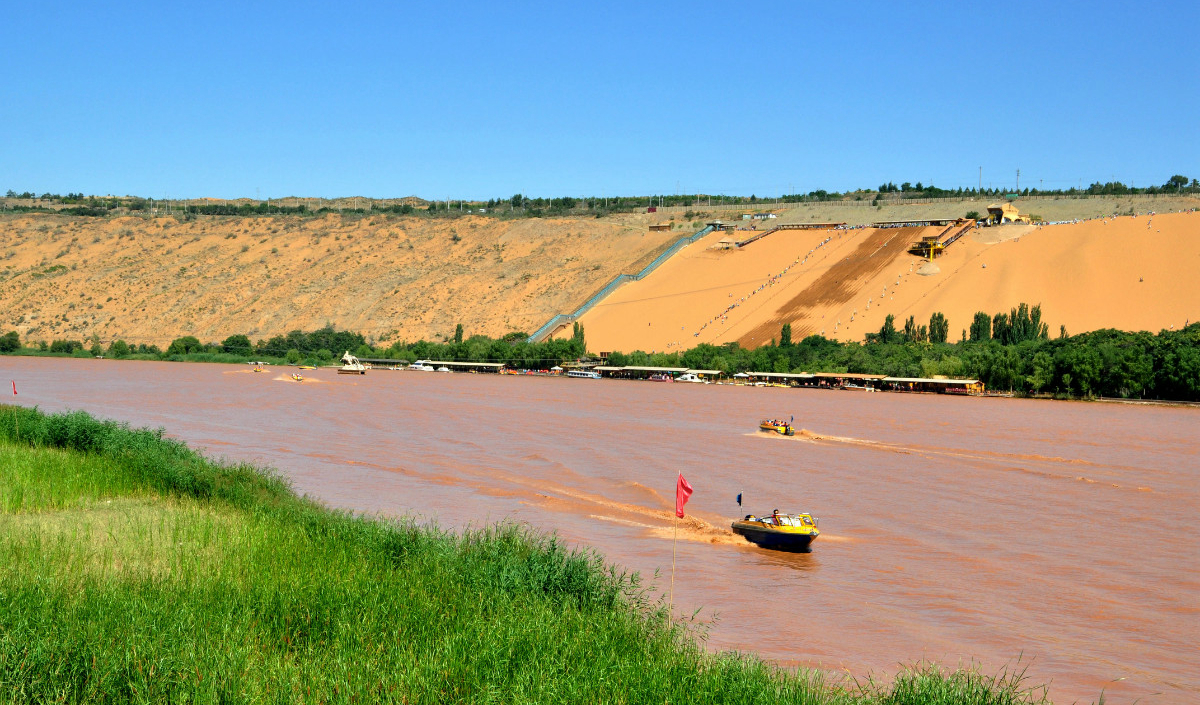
{"x":351,"y":365}
{"x":583,"y":374}
{"x":689,"y":377}
{"x":443,"y":368}
{"x":421,"y":366}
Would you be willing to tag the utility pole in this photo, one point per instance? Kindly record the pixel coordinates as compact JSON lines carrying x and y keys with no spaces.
{"x":1018,"y":179}
{"x":980,"y":178}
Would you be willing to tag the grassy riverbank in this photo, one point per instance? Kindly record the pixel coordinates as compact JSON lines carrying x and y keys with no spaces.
{"x":134,"y":569}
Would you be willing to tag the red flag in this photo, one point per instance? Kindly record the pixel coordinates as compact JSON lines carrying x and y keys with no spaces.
{"x":682,"y":492}
{"x":14,"y":387}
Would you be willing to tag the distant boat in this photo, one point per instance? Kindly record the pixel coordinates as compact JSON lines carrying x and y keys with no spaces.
{"x":420,"y":366}
{"x":583,"y":374}
{"x":443,"y":368}
{"x":779,"y":532}
{"x":297,"y":376}
{"x":783,"y":428}
{"x":690,"y":377}
{"x":662,"y":378}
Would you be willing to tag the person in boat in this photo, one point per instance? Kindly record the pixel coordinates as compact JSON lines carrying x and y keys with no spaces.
{"x":775,"y":517}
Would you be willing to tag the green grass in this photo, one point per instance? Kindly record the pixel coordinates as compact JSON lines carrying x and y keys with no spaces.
{"x":134,"y":570}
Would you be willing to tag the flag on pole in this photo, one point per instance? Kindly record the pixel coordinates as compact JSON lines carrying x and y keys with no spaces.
{"x":14,"y":387}
{"x":739,"y":499}
{"x":682,"y":492}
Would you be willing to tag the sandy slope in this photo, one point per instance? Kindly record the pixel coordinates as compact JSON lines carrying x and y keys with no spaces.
{"x":151,"y":280}
{"x":1132,"y":273}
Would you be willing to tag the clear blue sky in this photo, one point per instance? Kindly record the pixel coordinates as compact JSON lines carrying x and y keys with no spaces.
{"x":485,"y":100}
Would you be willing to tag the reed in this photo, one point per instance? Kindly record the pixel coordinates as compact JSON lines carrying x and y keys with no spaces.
{"x":134,"y":569}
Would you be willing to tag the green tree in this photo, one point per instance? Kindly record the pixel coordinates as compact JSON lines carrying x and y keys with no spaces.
{"x":981,"y":327}
{"x":458,"y":333}
{"x":237,"y":345}
{"x":887,"y":333}
{"x":118,"y":348}
{"x":579,"y":342}
{"x":785,"y":336}
{"x":939,"y":328}
{"x":1043,"y":371}
{"x":293,"y":356}
{"x":1001,"y":329}
{"x":10,"y":342}
{"x":1177,"y":182}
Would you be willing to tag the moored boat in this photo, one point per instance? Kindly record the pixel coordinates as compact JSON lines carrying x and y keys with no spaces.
{"x":783,"y":428}
{"x":779,"y":532}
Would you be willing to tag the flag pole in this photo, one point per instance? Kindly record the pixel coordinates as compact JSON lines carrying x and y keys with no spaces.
{"x":674,"y":545}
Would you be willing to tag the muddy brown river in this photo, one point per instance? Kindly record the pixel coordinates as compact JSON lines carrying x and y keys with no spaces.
{"x":1048,"y":536}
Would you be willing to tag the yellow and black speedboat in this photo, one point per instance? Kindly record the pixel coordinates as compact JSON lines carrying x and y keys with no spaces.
{"x":783,"y":428}
{"x":780,"y":532}
{"x":297,"y":376}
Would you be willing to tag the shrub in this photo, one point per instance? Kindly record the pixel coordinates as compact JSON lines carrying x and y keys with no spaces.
{"x":65,"y":346}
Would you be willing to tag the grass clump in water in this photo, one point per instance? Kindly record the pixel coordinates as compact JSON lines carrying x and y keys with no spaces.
{"x":134,"y":569}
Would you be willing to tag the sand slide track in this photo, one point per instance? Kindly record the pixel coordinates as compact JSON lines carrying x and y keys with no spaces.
{"x":838,"y":285}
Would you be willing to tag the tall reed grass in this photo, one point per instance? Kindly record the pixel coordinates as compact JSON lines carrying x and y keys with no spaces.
{"x":132,"y":569}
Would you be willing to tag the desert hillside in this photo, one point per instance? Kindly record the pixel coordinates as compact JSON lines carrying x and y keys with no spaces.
{"x":1127,"y":272}
{"x":388,"y":277}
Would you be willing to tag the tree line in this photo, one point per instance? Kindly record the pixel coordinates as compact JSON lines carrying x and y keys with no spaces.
{"x":520,"y":205}
{"x":1007,"y":351}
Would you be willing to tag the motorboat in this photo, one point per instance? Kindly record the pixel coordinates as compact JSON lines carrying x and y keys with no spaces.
{"x":443,"y":368}
{"x":306,"y":367}
{"x":297,"y":376}
{"x":783,"y":428}
{"x":662,"y":378}
{"x":583,"y":374}
{"x":779,"y":532}
{"x":690,"y":377}
{"x":421,"y":366}
{"x":351,"y":365}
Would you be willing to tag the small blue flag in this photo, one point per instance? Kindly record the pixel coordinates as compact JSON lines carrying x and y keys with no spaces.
{"x":739,"y":499}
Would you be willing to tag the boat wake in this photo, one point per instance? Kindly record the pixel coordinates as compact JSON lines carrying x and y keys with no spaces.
{"x":993,"y":458}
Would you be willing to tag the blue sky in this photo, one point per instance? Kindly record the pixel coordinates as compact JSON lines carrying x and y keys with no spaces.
{"x":482,"y":100}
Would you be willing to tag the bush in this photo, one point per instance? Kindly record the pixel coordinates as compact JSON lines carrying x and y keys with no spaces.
{"x":66,"y":346}
{"x":10,"y":342}
{"x":118,"y":348}
{"x":183,"y":346}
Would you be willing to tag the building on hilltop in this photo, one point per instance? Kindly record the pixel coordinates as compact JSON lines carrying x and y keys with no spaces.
{"x":1003,"y":213}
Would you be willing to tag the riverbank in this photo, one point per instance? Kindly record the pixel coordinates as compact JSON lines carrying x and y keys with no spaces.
{"x":133,"y":567}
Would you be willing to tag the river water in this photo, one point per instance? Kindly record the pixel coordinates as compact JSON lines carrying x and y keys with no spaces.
{"x":1047,"y":536}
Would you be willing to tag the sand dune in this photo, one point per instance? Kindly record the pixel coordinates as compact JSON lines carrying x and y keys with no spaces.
{"x":388,"y":277}
{"x":1127,"y":272}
